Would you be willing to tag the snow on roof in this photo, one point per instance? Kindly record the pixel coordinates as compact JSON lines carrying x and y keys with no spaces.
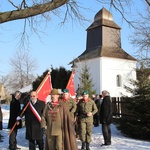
{"x":26,"y":88}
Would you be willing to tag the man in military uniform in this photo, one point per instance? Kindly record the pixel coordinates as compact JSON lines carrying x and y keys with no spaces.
{"x":70,"y":103}
{"x":57,"y":121}
{"x":85,"y":110}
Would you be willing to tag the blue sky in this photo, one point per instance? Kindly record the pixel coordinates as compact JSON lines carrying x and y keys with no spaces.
{"x":57,"y":46}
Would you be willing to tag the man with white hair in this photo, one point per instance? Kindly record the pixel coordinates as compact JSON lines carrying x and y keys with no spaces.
{"x":33,"y":115}
{"x":106,"y":117}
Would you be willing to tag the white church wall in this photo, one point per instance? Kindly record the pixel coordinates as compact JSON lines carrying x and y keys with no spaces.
{"x":111,"y":67}
{"x":94,"y":70}
{"x":103,"y":72}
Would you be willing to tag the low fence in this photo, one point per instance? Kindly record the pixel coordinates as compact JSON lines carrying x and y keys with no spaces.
{"x":119,"y":107}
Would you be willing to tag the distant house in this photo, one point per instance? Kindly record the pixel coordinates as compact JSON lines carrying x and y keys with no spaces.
{"x":109,"y":65}
{"x":2,"y":92}
{"x":26,"y":88}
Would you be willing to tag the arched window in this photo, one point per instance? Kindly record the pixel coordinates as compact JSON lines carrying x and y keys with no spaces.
{"x":118,"y":80}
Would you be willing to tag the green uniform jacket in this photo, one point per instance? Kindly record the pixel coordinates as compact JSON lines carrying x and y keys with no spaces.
{"x":71,"y":106}
{"x":85,"y":107}
{"x":59,"y":122}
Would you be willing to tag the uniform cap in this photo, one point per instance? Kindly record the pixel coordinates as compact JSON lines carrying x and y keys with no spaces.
{"x":54,"y":92}
{"x":85,"y":92}
{"x":65,"y":91}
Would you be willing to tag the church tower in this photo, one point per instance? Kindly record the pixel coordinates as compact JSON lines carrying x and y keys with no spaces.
{"x":110,"y":66}
{"x":103,"y":31}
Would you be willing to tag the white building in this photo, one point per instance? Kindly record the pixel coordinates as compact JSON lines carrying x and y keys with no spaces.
{"x":109,"y":65}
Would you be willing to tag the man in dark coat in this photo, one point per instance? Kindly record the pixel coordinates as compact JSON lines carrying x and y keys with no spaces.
{"x":106,"y":117}
{"x":56,"y":119}
{"x":1,"y":123}
{"x":33,"y":115}
{"x":14,"y":112}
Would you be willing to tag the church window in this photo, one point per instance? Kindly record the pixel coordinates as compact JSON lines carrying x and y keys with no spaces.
{"x":118,"y":80}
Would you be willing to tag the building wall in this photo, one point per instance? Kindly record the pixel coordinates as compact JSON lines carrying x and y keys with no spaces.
{"x":2,"y":92}
{"x":111,"y":37}
{"x":105,"y":36}
{"x":111,"y":67}
{"x":94,"y":38}
{"x":103,"y":72}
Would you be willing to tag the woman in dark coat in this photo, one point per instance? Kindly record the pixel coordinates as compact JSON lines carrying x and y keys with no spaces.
{"x":106,"y":117}
{"x":14,"y":113}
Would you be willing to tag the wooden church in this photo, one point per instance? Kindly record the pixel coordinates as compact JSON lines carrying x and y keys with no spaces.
{"x":109,"y":65}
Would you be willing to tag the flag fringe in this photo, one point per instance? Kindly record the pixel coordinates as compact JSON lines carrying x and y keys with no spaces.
{"x":42,"y":83}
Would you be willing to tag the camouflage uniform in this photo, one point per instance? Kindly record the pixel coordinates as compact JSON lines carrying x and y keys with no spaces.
{"x":86,"y":122}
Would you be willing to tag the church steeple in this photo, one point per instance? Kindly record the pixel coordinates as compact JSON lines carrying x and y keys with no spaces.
{"x":103,"y":38}
{"x":103,"y":14}
{"x":103,"y":31}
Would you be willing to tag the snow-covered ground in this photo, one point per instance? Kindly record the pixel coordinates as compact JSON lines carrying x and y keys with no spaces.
{"x":119,"y":142}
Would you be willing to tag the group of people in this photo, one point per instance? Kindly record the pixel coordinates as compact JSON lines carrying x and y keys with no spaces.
{"x":56,"y":119}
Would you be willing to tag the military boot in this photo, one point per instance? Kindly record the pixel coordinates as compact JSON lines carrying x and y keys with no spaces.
{"x":87,"y":146}
{"x":83,"y":146}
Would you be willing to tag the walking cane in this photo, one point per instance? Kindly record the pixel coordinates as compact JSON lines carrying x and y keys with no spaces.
{"x":20,"y":117}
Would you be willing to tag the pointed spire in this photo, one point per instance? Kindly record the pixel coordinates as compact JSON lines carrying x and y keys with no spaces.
{"x":103,"y":14}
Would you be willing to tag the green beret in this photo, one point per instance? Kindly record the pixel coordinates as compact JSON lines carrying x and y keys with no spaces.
{"x":65,"y":91}
{"x":85,"y":92}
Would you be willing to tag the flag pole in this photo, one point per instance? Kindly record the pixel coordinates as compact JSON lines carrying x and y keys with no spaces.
{"x":17,"y":121}
{"x":28,"y":104}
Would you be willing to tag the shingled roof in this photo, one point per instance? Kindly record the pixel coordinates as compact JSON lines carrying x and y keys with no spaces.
{"x":103,"y":18}
{"x":114,"y":52}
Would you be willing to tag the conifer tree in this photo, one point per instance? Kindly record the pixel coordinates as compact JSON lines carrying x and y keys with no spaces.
{"x":138,"y":124}
{"x":59,"y":78}
{"x":86,"y":81}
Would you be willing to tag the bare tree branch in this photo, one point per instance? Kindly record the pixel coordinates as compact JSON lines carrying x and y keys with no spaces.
{"x":31,"y":11}
{"x":13,"y":4}
{"x":148,"y":2}
{"x":23,"y":66}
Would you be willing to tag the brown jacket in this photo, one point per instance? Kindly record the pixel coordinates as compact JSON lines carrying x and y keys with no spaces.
{"x":62,"y":121}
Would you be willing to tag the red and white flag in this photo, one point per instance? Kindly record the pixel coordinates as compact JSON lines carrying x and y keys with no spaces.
{"x":70,"y":85}
{"x":44,"y":88}
{"x":35,"y":112}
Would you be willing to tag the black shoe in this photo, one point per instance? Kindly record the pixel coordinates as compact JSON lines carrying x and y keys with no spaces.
{"x":105,"y":144}
{"x":17,"y":147}
{"x":12,"y":149}
{"x":83,"y":146}
{"x":96,"y":125}
{"x":87,"y":146}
